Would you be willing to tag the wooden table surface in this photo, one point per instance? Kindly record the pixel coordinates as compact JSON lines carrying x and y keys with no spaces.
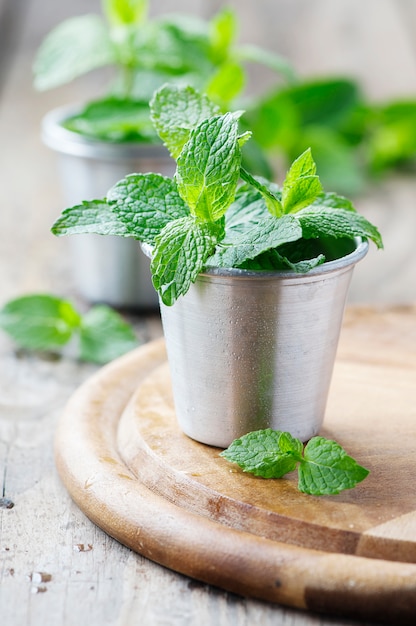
{"x":56,"y":567}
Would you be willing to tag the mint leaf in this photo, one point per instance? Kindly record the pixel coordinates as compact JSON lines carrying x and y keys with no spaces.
{"x":273,"y":203}
{"x":145,"y":203}
{"x":123,"y":12}
{"x":74,"y":47}
{"x":226,"y":83}
{"x":248,"y":209}
{"x":301,"y":185}
{"x":327,"y":469}
{"x":209,"y":167}
{"x":222,"y":33}
{"x":300,"y":267}
{"x":267,"y":453}
{"x":176,"y":111}
{"x":180,"y":253}
{"x":104,"y":335}
{"x":268,"y":234}
{"x":334,"y":201}
{"x":114,"y":119}
{"x":324,"y":468}
{"x":94,"y":216}
{"x":39,"y":322}
{"x":317,"y":221}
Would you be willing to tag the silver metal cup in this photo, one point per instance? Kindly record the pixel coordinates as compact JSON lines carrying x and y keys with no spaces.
{"x":253,"y":350}
{"x":105,"y":269}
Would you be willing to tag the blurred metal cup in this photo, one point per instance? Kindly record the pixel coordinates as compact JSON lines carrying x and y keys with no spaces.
{"x":253,"y":350}
{"x":105,"y":269}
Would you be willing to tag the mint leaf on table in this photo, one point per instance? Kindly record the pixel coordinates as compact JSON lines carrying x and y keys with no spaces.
{"x":208,"y":168}
{"x":324,"y":466}
{"x":104,"y":335}
{"x":145,"y":203}
{"x":176,"y":111}
{"x":260,"y":453}
{"x":93,"y":216}
{"x":265,"y":235}
{"x":74,"y":47}
{"x":326,"y":469}
{"x":42,"y":322}
{"x":39,"y":322}
{"x":180,"y":253}
{"x":318,"y":221}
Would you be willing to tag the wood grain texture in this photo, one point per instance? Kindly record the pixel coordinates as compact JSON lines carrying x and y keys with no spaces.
{"x":175,"y":501}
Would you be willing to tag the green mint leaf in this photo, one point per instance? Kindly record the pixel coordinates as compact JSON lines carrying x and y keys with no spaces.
{"x":180,"y":253}
{"x":268,"y":234}
{"x":125,"y":12}
{"x":327,"y":469}
{"x":227,"y":82}
{"x":275,"y":62}
{"x":248,"y":209}
{"x":273,"y":203}
{"x":208,"y":168}
{"x":73,"y":48}
{"x":94,"y":216}
{"x":175,"y":111}
{"x":222,"y":33}
{"x":334,"y":201}
{"x":300,"y":267}
{"x":267,"y":453}
{"x":114,"y":119}
{"x":317,"y":221}
{"x":301,"y":185}
{"x":104,"y":335}
{"x":39,"y":322}
{"x":145,"y":203}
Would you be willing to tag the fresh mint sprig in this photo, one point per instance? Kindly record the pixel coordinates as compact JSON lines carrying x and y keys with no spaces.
{"x":205,"y":217}
{"x":42,"y":322}
{"x":324,"y":467}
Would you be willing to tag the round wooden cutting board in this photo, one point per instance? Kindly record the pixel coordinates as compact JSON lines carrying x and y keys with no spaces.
{"x":126,"y":464}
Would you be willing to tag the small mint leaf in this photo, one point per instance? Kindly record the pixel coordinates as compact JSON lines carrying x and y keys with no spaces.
{"x":145,"y":203}
{"x":125,"y":12}
{"x":40,"y":321}
{"x":319,"y":221}
{"x":327,"y":469}
{"x":180,"y":253}
{"x":259,"y":453}
{"x":94,"y":216}
{"x":209,"y":167}
{"x":175,"y":111}
{"x":301,"y":185}
{"x":104,"y":335}
{"x":266,"y":235}
{"x":273,"y":203}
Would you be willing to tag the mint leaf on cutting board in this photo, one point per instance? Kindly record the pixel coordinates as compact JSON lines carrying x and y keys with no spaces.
{"x":323,"y":465}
